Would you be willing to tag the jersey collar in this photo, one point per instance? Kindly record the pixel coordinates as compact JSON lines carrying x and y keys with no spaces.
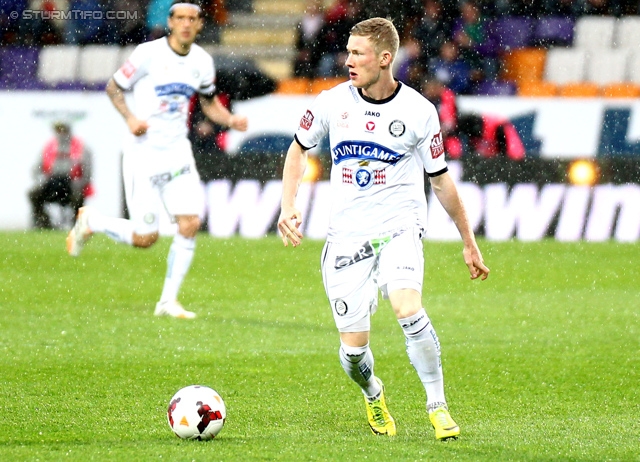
{"x":380,"y":101}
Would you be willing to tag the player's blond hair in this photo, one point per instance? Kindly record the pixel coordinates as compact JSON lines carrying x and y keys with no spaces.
{"x":381,"y":32}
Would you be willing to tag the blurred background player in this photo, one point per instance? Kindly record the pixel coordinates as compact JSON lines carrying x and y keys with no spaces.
{"x":159,"y":171}
{"x":63,"y":175}
{"x":384,"y":137}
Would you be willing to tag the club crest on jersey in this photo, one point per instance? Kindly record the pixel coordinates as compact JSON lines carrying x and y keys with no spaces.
{"x":306,"y":120}
{"x":437,"y":147}
{"x":364,"y":177}
{"x":363,"y":150}
{"x":397,"y":128}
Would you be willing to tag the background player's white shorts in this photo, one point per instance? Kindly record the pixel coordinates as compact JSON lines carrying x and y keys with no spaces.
{"x":352,"y":288}
{"x":157,"y":180}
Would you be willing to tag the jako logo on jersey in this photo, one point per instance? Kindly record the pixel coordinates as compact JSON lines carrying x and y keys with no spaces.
{"x":363,"y":150}
{"x":306,"y":120}
{"x":371,"y":126}
{"x":371,"y":113}
{"x":175,"y":89}
{"x":437,"y":148}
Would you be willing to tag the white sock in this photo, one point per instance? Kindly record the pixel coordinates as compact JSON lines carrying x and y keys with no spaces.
{"x":357,"y":362}
{"x":118,"y":229}
{"x":423,"y":349}
{"x":178,"y":263}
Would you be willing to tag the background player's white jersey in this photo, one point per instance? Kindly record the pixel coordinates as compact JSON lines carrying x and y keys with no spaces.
{"x":163,"y":83}
{"x":379,"y":152}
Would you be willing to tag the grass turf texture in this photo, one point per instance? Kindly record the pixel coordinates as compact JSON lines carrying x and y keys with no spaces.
{"x":541,"y":361}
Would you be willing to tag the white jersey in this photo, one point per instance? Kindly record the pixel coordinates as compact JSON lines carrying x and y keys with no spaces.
{"x":380,"y":150}
{"x":163,"y":83}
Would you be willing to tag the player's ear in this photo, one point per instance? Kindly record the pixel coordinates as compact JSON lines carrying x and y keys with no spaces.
{"x":385,"y":59}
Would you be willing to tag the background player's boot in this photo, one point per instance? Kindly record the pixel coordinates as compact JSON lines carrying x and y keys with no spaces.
{"x":173,"y":309}
{"x":380,"y":419}
{"x":443,"y":424}
{"x":80,"y":233}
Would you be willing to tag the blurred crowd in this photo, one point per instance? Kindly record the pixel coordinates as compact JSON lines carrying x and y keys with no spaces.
{"x":84,"y":22}
{"x":449,"y":40}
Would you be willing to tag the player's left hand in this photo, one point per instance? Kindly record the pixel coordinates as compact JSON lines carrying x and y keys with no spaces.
{"x":238,"y":122}
{"x":473,"y":260}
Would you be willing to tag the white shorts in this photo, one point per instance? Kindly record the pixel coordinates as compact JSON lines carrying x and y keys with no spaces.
{"x":156,"y":181}
{"x":354,"y":272}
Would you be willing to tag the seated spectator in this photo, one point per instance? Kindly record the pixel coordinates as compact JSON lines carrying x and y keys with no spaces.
{"x":404,"y":15}
{"x":432,"y":30}
{"x":472,"y":36}
{"x":87,"y":24}
{"x":450,"y":69}
{"x":41,"y":29}
{"x":63,"y":175}
{"x":330,"y":46}
{"x":305,"y":62}
{"x":408,"y":61}
{"x":133,"y":29}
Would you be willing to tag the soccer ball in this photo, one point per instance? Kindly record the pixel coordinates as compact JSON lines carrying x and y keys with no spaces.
{"x":196,"y":413}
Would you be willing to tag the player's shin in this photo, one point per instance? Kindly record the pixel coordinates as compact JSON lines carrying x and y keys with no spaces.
{"x":423,"y":349}
{"x":118,"y":229}
{"x":357,"y":362}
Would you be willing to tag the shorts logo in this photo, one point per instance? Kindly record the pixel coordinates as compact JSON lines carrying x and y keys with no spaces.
{"x":306,"y":120}
{"x":437,"y":147}
{"x":397,"y":128}
{"x":149,"y":218}
{"x":341,"y":307}
{"x":162,"y":179}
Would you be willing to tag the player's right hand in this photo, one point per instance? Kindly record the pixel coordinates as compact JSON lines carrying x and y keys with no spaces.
{"x":288,"y":223}
{"x":137,"y":127}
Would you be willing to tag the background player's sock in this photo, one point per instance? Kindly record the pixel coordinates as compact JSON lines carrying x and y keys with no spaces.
{"x":178,"y":263}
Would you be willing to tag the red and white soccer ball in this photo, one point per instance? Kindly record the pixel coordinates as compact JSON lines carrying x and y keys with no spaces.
{"x":196,"y":413}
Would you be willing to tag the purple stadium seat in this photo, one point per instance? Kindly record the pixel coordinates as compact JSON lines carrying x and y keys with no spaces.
{"x":496,"y":88}
{"x":554,"y":31}
{"x":513,"y":32}
{"x":18,"y":68}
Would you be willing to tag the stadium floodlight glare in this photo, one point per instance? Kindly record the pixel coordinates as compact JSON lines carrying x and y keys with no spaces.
{"x":313,"y":172}
{"x":583,"y":172}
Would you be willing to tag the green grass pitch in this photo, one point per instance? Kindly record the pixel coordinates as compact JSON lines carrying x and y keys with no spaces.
{"x":541,"y":361}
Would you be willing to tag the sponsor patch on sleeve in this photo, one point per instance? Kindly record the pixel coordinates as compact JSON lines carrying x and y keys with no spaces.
{"x":437,"y":146}
{"x":128,"y":69}
{"x":306,"y":120}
